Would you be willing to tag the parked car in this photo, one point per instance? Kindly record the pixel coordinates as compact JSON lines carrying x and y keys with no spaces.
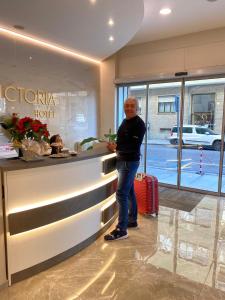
{"x":196,"y":135}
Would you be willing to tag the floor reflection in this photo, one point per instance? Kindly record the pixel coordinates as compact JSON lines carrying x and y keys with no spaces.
{"x":178,"y":255}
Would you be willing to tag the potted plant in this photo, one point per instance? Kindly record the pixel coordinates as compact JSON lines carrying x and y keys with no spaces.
{"x":93,"y":142}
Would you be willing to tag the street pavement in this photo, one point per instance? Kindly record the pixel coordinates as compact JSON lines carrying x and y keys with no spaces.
{"x":199,"y":168}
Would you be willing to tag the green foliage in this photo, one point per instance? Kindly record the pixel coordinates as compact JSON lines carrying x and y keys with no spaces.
{"x":88,"y":140}
{"x":108,"y":137}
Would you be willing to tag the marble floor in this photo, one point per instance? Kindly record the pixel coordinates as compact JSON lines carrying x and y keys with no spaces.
{"x":180,"y":255}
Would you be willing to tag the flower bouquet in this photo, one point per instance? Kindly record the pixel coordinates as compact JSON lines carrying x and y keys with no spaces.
{"x":29,"y":135}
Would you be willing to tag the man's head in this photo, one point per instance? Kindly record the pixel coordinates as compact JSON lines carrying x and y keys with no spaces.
{"x":130,"y":107}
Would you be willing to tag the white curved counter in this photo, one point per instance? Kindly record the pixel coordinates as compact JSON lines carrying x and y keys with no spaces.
{"x":54,"y":208}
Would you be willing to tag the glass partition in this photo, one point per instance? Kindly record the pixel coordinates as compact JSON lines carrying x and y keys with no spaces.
{"x":163,"y":136}
{"x":193,"y":111}
{"x":201,"y":135}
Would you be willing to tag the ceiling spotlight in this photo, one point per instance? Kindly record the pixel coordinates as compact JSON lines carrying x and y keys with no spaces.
{"x":110,"y":22}
{"x":20,"y":27}
{"x":165,"y":11}
{"x":111,"y":38}
{"x":92,"y":1}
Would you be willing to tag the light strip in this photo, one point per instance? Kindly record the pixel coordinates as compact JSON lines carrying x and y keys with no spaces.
{"x":62,"y":221}
{"x":47,"y":45}
{"x":109,"y":203}
{"x":108,"y":156}
{"x":62,"y":197}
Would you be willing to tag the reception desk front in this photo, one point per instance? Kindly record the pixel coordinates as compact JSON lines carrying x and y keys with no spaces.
{"x":54,"y":208}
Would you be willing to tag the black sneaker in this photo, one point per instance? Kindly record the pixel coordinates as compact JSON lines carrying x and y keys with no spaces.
{"x":116,"y":234}
{"x":132,"y":225}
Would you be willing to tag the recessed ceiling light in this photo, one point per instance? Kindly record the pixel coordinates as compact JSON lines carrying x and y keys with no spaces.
{"x":20,"y":27}
{"x":165,"y":11}
{"x":110,"y":22}
{"x":92,"y":1}
{"x":111,"y":38}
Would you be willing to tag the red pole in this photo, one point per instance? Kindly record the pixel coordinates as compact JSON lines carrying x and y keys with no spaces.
{"x":201,"y":159}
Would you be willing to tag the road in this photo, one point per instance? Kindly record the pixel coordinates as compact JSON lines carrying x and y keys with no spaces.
{"x":165,"y":157}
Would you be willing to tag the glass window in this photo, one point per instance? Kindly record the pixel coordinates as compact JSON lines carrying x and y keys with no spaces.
{"x":184,"y":130}
{"x":203,"y":109}
{"x":166,"y":104}
{"x":204,"y":131}
{"x":161,"y":107}
{"x":167,"y":107}
{"x":187,"y":130}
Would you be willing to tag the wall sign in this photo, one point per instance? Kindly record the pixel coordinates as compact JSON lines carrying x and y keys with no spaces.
{"x":30,"y":96}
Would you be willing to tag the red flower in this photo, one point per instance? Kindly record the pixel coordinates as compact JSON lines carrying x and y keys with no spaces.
{"x":46,"y":133}
{"x":26,"y":128}
{"x":20,"y":126}
{"x":36,"y":126}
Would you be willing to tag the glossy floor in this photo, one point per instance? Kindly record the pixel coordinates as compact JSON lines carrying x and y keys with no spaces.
{"x":180,"y":255}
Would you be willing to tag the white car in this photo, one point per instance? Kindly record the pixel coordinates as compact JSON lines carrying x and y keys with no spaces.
{"x":196,"y":135}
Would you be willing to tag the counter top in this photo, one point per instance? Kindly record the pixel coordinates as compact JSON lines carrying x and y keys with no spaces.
{"x":12,"y":164}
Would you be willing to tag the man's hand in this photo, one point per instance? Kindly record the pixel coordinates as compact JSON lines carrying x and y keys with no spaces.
{"x":112,"y":146}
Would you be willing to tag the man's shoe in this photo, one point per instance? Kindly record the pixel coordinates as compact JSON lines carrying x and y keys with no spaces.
{"x":132,"y":225}
{"x":116,"y":234}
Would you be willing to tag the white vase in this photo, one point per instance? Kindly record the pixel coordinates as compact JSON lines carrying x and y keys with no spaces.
{"x":32,"y":150}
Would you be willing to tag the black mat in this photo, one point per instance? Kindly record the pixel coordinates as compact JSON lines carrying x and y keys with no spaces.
{"x":182,"y":200}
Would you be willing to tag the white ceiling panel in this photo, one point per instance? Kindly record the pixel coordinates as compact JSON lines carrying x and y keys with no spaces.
{"x":80,"y":25}
{"x":187,"y":16}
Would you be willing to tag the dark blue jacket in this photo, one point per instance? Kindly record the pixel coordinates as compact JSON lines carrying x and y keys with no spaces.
{"x":129,"y":139}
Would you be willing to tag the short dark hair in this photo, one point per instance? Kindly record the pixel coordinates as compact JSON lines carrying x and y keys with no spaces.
{"x":53,"y":138}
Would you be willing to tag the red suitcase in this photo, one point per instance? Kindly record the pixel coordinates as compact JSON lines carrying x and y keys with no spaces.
{"x":147,"y":194}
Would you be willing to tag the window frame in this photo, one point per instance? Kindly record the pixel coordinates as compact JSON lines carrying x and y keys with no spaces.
{"x":164,"y":103}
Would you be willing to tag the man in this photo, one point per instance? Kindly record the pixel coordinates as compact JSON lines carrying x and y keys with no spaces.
{"x":129,"y":139}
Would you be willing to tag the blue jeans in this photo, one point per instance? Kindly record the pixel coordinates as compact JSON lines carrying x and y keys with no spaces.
{"x":125,"y":192}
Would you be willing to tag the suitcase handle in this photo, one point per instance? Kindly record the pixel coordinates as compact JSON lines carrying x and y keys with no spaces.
{"x":140,"y":176}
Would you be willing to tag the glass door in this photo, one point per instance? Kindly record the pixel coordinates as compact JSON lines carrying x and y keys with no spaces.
{"x":201,"y":135}
{"x":163,"y":131}
{"x":184,"y":121}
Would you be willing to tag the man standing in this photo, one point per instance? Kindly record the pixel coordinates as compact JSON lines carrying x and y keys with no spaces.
{"x":129,"y":139}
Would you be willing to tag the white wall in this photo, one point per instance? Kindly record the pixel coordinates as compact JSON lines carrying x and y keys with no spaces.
{"x":107,"y":95}
{"x":74,"y":84}
{"x":193,"y":52}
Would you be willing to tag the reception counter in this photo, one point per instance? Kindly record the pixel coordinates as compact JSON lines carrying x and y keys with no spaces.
{"x":52,"y":209}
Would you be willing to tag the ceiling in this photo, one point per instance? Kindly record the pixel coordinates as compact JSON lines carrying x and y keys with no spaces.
{"x":81,"y":25}
{"x":78,"y":25}
{"x":188,"y":16}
